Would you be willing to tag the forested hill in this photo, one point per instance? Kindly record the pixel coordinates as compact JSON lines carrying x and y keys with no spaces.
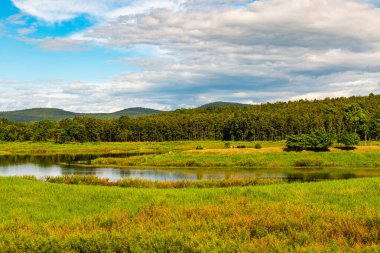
{"x":270,"y":121}
{"x":223,"y":104}
{"x":54,"y":114}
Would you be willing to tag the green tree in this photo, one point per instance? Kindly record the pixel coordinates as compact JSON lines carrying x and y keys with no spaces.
{"x":356,"y":120}
{"x":350,"y":140}
{"x":314,"y":141}
{"x":42,"y":130}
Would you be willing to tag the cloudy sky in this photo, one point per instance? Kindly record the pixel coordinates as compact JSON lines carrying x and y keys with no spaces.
{"x":107,"y":55}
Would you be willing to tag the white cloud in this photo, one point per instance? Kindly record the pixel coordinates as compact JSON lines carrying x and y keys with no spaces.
{"x":26,"y":31}
{"x":233,"y":50}
{"x":17,"y":19}
{"x":61,"y":10}
{"x":76,"y":96}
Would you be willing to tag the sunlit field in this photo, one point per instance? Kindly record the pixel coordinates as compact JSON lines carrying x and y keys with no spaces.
{"x":119,"y":147}
{"x":325,"y":216}
{"x":206,"y":154}
{"x":90,"y":214}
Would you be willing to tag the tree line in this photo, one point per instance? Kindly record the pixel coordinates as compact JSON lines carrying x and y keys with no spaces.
{"x":269,"y":122}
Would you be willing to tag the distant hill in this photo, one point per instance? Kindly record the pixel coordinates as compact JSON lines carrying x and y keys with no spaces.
{"x":55,"y":114}
{"x":38,"y":114}
{"x":223,"y":104}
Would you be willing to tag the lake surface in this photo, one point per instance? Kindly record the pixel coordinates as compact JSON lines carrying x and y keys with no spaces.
{"x":42,"y":166}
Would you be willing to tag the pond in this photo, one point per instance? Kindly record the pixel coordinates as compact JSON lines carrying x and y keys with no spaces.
{"x":59,"y":165}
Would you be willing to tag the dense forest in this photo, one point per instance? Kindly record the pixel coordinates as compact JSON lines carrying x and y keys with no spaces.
{"x":270,"y":121}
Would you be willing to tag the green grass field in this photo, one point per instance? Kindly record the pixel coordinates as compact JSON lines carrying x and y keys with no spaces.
{"x":335,"y":216}
{"x":213,"y":154}
{"x":232,"y":215}
{"x":268,"y":160}
{"x":40,"y":148}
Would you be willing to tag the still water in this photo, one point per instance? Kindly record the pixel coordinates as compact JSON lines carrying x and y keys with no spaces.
{"x":59,"y":165}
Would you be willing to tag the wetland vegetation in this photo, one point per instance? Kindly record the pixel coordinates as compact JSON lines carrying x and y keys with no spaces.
{"x":335,"y":216}
{"x":202,"y":180}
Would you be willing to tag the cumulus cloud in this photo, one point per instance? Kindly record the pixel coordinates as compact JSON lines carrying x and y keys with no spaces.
{"x":232,"y":50}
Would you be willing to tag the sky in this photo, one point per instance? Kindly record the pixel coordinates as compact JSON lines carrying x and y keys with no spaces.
{"x":107,"y":55}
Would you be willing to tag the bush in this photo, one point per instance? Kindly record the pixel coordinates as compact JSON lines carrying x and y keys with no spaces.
{"x":349,"y":140}
{"x":314,"y":141}
{"x":199,"y":148}
{"x":295,"y":142}
{"x":319,"y":141}
{"x":241,"y":146}
{"x":227,"y":145}
{"x":258,"y":146}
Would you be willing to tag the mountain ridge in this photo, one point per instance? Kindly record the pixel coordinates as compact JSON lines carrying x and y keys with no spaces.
{"x":56,"y":114}
{"x":223,"y":104}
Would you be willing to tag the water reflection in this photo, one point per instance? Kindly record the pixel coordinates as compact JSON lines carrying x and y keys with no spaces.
{"x":58,"y":165}
{"x":49,"y":160}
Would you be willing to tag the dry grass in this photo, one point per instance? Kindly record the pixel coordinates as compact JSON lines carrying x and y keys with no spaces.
{"x":210,"y":147}
{"x":233,"y":151}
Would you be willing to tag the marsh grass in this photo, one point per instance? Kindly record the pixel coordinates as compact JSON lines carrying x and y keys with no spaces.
{"x":330,"y":216}
{"x":140,"y":183}
{"x":262,"y":160}
{"x":308,"y":162}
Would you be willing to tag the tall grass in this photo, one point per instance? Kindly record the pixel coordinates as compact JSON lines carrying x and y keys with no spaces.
{"x":330,"y":216}
{"x":141,"y":183}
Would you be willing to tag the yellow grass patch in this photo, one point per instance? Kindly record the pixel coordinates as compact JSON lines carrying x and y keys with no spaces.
{"x":359,"y":149}
{"x":234,"y":151}
{"x":5,"y":153}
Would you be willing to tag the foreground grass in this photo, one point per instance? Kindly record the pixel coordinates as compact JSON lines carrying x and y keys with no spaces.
{"x":325,"y":216}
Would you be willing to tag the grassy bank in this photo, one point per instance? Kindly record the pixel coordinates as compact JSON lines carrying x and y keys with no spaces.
{"x":259,"y":160}
{"x":41,"y":148}
{"x":141,"y":183}
{"x":325,"y":216}
{"x":209,"y":147}
{"x":204,"y":154}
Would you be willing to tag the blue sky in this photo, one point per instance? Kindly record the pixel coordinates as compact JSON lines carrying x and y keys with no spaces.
{"x":113,"y":54}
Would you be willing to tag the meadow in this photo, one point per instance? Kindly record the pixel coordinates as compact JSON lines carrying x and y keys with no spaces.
{"x":35,"y":148}
{"x":332,"y":216}
{"x":205,"y":154}
{"x":263,"y":160}
{"x":89,"y":214}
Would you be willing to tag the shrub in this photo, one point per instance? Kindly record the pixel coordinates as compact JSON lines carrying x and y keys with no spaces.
{"x":241,"y":146}
{"x":295,"y":142}
{"x":227,"y":145}
{"x":313,"y":141}
{"x":319,"y":141}
{"x":349,"y":139}
{"x":199,"y":148}
{"x":258,"y":146}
